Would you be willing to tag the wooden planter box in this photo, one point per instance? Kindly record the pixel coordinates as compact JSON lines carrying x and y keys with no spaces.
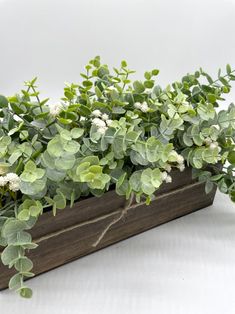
{"x":72,"y":232}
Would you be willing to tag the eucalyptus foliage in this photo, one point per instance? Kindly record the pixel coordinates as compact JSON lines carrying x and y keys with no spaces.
{"x":107,"y":132}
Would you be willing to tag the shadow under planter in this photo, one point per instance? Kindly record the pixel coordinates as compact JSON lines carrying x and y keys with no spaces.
{"x":72,"y":233}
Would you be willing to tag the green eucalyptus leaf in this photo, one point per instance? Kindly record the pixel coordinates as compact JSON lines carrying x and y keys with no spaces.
{"x":54,"y":147}
{"x":26,"y":293}
{"x":3,"y":101}
{"x":65,"y":162}
{"x":138,"y":87}
{"x":222,"y":186}
{"x":15,"y":282}
{"x":12,"y":226}
{"x":55,"y":175}
{"x":10,"y":254}
{"x":24,"y":215}
{"x":20,"y":238}
{"x":77,"y":132}
{"x":231,"y":157}
{"x":33,"y":188}
{"x":209,"y":186}
{"x":23,"y":264}
{"x":60,"y":201}
{"x":135,"y":181}
{"x":146,"y":182}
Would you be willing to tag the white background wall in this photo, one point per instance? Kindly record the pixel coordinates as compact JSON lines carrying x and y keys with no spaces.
{"x":53,"y":39}
{"x":186,"y":266}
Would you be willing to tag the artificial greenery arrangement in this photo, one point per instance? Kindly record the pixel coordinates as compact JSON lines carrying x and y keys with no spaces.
{"x":107,"y":132}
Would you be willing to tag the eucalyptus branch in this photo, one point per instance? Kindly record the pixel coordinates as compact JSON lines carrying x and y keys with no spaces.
{"x":210,"y":84}
{"x":190,"y":98}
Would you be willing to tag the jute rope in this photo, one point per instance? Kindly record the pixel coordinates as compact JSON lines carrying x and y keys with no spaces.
{"x":121,"y":211}
{"x":122,"y":214}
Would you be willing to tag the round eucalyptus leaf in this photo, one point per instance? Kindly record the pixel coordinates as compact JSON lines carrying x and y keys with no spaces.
{"x":23,"y":264}
{"x":10,"y":254}
{"x":15,"y":282}
{"x":65,"y":162}
{"x":231,"y":157}
{"x":26,"y":293}
{"x":3,"y":101}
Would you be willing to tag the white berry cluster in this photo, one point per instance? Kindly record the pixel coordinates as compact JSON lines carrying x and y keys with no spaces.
{"x":168,"y":167}
{"x":12,"y":179}
{"x":212,"y":144}
{"x":180,"y":161}
{"x":166,"y":177}
{"x":176,"y":158}
{"x":142,"y":106}
{"x":101,"y":121}
{"x":55,"y":109}
{"x":180,"y":165}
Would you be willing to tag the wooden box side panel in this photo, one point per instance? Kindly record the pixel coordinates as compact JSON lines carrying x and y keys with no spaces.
{"x":93,"y":207}
{"x":58,"y":248}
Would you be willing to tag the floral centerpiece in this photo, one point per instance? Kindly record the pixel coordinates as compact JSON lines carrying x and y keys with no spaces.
{"x":106,"y":133}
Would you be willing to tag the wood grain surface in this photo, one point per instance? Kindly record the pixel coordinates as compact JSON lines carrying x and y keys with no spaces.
{"x":72,"y":232}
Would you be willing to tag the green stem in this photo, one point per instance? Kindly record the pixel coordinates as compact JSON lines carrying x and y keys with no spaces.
{"x":38,"y":100}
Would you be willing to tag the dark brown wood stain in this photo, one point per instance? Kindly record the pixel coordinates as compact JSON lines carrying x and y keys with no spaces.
{"x":72,"y":232}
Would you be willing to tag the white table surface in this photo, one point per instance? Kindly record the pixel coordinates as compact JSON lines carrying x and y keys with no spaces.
{"x":186,"y":266}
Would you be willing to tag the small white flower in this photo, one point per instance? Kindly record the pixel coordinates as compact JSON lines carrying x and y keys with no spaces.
{"x":181,"y":167}
{"x":137,"y":105}
{"x":109,"y":122}
{"x":97,"y":113}
{"x":180,"y":159}
{"x":164,"y":175}
{"x":14,"y":187}
{"x":98,"y":122}
{"x":55,"y":109}
{"x":219,"y":149}
{"x":168,"y":179}
{"x":12,"y":178}
{"x":102,"y":130}
{"x":214,"y":145}
{"x":168,"y":167}
{"x":3,"y":181}
{"x":207,"y":141}
{"x":105,"y":117}
{"x":144,"y":107}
